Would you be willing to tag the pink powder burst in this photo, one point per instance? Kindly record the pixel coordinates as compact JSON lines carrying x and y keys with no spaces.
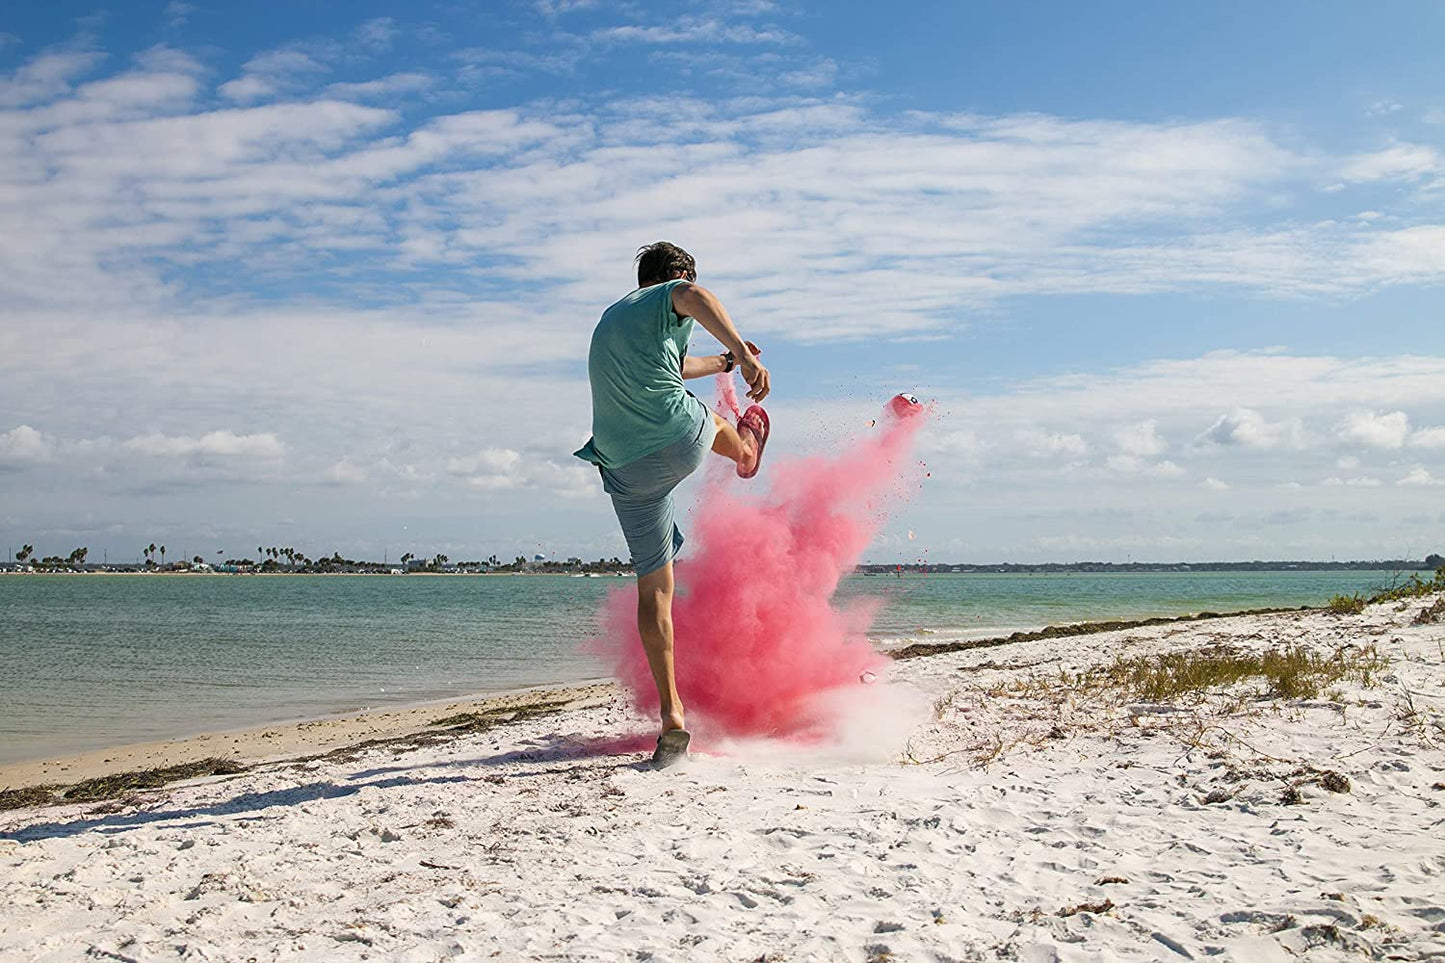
{"x":727,"y":396}
{"x":758,"y":637}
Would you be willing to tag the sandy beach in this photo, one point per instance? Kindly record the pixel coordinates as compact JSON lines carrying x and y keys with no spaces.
{"x":1017,"y":802}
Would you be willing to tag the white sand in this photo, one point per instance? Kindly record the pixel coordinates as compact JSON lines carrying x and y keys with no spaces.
{"x":972,"y":807}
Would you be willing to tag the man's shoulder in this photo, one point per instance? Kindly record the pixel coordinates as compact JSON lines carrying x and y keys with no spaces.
{"x":642,"y":299}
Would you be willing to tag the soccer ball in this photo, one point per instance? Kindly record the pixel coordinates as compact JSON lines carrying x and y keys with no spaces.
{"x":905,"y":405}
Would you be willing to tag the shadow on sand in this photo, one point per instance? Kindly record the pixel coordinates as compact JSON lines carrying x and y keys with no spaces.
{"x":543,"y":754}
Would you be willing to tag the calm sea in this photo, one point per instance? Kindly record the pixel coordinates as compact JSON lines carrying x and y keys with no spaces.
{"x":94,"y":661}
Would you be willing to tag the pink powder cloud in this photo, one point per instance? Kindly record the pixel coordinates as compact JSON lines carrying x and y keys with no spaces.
{"x":758,"y":636}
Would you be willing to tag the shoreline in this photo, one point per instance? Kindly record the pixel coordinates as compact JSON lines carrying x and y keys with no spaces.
{"x":289,"y":739}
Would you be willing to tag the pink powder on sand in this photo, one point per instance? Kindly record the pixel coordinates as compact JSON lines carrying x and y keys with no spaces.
{"x":758,"y":636}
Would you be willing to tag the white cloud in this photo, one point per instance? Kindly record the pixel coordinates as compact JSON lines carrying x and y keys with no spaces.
{"x":1039,"y":443}
{"x":271,"y":74}
{"x":1398,"y":162}
{"x":1360,"y":482}
{"x":1141,"y":439}
{"x":1419,"y":476}
{"x":1347,"y":463}
{"x":1247,"y":427}
{"x":389,"y":86}
{"x":505,"y":469}
{"x":223,"y":443}
{"x":377,"y":33}
{"x":345,"y":472}
{"x":1134,"y":465}
{"x":1214,"y":484}
{"x":555,"y":8}
{"x":45,"y":77}
{"x":178,"y":12}
{"x":1375,"y":430}
{"x":25,"y":445}
{"x":692,"y":30}
{"x":1428,"y":438}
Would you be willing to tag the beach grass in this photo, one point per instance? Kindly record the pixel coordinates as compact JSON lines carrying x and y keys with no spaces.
{"x":1291,"y":673}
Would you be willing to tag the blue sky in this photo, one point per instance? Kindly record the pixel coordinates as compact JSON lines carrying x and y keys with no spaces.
{"x":323,"y":274}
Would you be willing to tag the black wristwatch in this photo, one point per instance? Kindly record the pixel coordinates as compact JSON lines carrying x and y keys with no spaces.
{"x":731,"y":361}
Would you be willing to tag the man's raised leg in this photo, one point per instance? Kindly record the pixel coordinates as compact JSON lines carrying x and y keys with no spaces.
{"x":741,"y":447}
{"x":654,"y":624}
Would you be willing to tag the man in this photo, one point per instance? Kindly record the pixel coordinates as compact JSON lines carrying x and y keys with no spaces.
{"x":649,"y":433}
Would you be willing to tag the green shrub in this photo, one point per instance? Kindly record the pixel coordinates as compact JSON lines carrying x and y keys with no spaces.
{"x":1412,"y":588}
{"x":1347,"y":604}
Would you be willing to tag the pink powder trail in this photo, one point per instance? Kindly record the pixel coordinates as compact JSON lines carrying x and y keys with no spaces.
{"x":727,"y":393}
{"x":758,"y":638}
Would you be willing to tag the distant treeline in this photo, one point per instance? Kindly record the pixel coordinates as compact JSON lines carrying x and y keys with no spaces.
{"x":1429,"y":563}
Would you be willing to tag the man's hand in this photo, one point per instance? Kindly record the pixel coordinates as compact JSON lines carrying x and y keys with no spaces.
{"x":755,"y":375}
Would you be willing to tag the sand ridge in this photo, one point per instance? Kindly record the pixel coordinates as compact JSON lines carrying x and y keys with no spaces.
{"x":980,"y":807}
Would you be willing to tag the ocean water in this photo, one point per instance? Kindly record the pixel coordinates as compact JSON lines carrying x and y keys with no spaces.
{"x":94,"y":661}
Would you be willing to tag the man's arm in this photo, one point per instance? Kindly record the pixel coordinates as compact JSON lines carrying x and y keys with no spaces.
{"x":690,"y":300}
{"x":711,"y":364}
{"x":700,"y":367}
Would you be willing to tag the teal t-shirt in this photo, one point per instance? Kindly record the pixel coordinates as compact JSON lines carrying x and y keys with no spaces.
{"x":639,"y":404}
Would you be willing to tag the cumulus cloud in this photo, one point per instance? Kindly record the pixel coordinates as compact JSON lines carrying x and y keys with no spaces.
{"x":1134,"y":465}
{"x":504,"y":469}
{"x":1039,"y":443}
{"x":345,"y":472}
{"x":221,"y":444}
{"x":1375,"y":430}
{"x":1428,"y":438}
{"x":1141,"y":439}
{"x":1250,"y":429}
{"x":1214,"y":484}
{"x":1419,"y":476}
{"x":1357,"y":482}
{"x":24,"y":445}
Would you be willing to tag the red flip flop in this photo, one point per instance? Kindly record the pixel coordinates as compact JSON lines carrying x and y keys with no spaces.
{"x":755,"y":421}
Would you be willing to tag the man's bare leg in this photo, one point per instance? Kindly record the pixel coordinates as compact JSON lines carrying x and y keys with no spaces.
{"x":654,"y":624}
{"x":741,"y":447}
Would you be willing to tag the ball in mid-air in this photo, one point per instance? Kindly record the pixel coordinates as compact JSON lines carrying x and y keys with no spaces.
{"x":905,"y":405}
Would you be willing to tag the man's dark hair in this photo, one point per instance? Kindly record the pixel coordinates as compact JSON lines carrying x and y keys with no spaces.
{"x":663,"y":261}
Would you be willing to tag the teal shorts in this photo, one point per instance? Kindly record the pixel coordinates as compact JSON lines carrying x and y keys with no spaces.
{"x":641,"y":493}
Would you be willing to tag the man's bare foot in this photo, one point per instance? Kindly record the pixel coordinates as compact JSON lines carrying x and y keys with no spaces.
{"x":750,"y":450}
{"x":753,"y":430}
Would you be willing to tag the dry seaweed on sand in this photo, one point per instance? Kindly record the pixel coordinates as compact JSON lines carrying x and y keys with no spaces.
{"x":117,"y":784}
{"x":30,"y":796}
{"x":920,"y":649}
{"x":107,"y":787}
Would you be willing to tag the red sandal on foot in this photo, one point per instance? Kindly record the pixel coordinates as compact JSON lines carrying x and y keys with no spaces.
{"x":755,"y":422}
